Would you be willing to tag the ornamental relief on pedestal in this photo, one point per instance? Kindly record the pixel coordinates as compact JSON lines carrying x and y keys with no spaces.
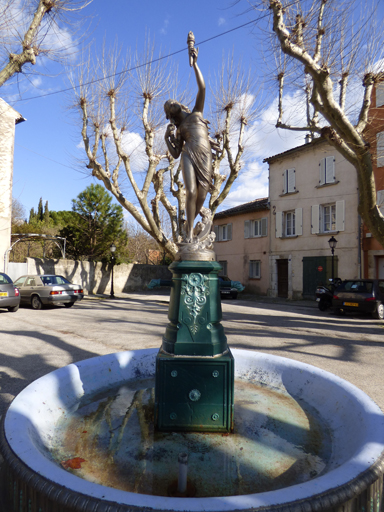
{"x":194,"y":290}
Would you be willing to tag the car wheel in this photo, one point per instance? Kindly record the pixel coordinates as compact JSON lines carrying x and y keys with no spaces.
{"x":339,"y":312}
{"x":379,"y":313}
{"x":13,"y":309}
{"x":36,"y":302}
{"x":323,"y":305}
{"x":69,"y":304}
{"x":234,"y":295}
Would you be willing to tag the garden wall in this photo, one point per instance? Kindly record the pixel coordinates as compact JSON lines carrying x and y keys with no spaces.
{"x":95,"y":277}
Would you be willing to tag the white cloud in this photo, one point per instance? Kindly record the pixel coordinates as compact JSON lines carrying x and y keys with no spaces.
{"x":37,"y":81}
{"x":221,"y":22}
{"x":262,"y":141}
{"x":164,"y":28}
{"x":134,"y":145}
{"x":251,"y":184}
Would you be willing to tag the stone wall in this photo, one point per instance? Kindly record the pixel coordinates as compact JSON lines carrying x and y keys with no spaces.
{"x":95,"y":277}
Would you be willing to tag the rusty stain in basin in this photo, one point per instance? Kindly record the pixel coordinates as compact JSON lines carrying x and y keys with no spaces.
{"x":277,"y":442}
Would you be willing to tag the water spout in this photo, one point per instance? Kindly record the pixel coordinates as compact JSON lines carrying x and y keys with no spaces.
{"x":183,"y":471}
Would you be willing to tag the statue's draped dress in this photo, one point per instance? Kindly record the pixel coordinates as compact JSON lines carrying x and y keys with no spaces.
{"x":194,"y":131}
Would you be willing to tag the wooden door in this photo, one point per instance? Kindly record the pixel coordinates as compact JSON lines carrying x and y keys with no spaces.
{"x":282,"y":278}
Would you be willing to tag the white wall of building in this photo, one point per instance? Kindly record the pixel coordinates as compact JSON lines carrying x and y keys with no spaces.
{"x":8,"y":118}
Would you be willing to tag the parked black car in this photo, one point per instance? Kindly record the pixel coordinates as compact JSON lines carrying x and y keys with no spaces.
{"x":9,"y":294}
{"x":360,"y":295}
{"x":230,"y":291}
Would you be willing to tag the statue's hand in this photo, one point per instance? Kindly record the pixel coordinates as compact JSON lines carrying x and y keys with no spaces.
{"x":170,"y":130}
{"x":193,"y":52}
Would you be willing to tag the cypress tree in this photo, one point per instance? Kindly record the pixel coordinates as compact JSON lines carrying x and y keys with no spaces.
{"x":40,"y":214}
{"x":46,"y":214}
{"x":32,"y":215}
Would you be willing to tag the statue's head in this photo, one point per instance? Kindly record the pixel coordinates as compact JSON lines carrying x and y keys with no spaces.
{"x":173,"y":108}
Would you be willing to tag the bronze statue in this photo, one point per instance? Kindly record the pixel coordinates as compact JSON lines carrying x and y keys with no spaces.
{"x":192,"y":143}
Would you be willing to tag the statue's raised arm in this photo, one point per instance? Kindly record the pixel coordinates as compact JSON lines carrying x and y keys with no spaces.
{"x":193,"y":53}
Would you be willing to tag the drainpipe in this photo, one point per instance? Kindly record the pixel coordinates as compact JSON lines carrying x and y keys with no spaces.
{"x":359,"y":242}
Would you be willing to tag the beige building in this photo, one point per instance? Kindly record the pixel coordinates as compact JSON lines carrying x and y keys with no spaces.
{"x":8,"y":119}
{"x":313,"y":196}
{"x":242,"y":244}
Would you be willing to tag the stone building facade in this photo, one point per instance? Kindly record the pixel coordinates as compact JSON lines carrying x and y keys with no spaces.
{"x":313,"y":196}
{"x":8,"y":119}
{"x":242,"y":244}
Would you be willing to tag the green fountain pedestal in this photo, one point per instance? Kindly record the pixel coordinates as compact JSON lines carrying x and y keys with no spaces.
{"x":194,"y":367}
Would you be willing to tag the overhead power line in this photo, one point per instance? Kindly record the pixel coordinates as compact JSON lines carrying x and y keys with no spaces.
{"x":141,"y":65}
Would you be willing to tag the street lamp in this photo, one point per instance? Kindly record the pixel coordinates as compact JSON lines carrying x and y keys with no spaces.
{"x":112,"y":248}
{"x":332,"y":244}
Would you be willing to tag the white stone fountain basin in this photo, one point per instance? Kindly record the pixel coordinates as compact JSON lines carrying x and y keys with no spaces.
{"x":356,"y":424}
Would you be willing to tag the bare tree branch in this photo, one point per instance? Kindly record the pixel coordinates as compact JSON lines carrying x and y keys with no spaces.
{"x":340,"y":48}
{"x":30,"y":28}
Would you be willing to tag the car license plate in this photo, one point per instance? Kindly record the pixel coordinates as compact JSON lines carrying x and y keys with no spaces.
{"x":3,"y":294}
{"x":353,"y":304}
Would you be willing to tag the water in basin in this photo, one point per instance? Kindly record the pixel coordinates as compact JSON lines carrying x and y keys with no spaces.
{"x":110,"y":439}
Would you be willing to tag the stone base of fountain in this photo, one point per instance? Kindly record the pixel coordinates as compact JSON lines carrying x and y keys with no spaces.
{"x":350,"y":479}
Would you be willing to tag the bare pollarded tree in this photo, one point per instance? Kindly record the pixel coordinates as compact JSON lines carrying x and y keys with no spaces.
{"x":121,"y":102}
{"x":332,"y":51}
{"x":35,"y":28}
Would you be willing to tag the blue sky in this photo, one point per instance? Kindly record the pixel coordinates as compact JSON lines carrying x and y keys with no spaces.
{"x":46,"y":160}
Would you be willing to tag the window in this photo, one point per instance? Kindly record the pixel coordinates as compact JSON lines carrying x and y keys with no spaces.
{"x":380,"y":149}
{"x":328,"y":218}
{"x":379,"y":94}
{"x":4,"y":279}
{"x":380,"y":200}
{"x":256,"y":228}
{"x":19,"y":281}
{"x":254,"y":269}
{"x":358,"y":286}
{"x":289,"y":223}
{"x":289,"y":181}
{"x":52,"y":280}
{"x":223,"y":232}
{"x":327,"y":170}
{"x":223,"y":271}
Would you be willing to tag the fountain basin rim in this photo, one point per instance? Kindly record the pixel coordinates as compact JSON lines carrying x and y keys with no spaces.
{"x":33,"y":408}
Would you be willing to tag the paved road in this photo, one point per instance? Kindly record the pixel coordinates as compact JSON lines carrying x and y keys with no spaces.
{"x":33,"y":343}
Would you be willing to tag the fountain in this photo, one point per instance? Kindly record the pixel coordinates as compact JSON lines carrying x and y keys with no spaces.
{"x":193,"y":426}
{"x":308,"y":440}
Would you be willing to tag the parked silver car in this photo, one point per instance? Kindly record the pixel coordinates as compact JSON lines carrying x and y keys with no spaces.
{"x":48,"y":289}
{"x":9,"y":294}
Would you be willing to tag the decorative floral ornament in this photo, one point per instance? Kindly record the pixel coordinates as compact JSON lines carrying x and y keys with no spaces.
{"x":195,"y":293}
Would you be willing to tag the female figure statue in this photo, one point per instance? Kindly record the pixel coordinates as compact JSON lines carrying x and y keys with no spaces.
{"x":192,"y":142}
